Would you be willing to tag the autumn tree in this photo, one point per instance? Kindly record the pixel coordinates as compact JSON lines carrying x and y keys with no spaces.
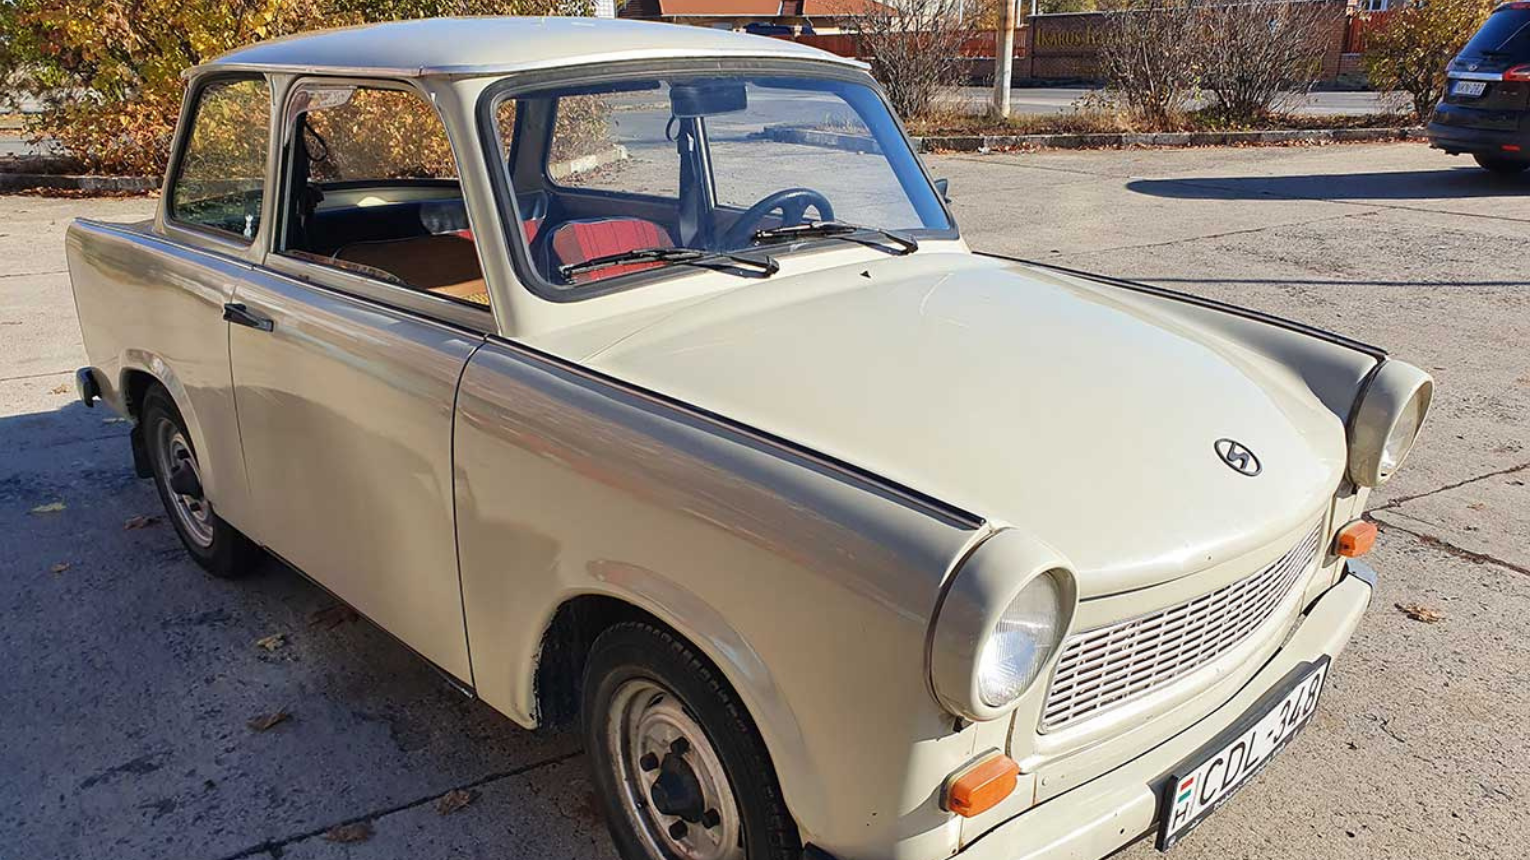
{"x":914,"y":46}
{"x":1410,"y":51}
{"x":1150,"y":58}
{"x":108,"y":72}
{"x":1257,"y":56}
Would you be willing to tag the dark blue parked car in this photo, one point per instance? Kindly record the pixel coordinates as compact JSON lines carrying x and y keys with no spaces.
{"x":1486,"y":109}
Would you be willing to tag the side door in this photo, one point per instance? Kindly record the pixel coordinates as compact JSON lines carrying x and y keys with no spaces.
{"x":346,"y":350}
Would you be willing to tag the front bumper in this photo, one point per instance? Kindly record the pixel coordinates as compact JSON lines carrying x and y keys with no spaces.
{"x":1117,"y":808}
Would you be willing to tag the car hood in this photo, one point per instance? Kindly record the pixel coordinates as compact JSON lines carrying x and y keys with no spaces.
{"x":1032,"y":399}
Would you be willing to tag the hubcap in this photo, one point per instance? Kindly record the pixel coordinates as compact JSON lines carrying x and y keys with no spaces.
{"x":183,"y":482}
{"x":674,"y":789}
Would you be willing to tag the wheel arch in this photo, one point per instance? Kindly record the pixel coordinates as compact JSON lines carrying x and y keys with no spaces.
{"x":579,"y":618}
{"x":134,"y":384}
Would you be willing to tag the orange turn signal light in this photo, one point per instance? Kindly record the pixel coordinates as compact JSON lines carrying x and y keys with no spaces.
{"x":980,"y":786}
{"x":1355,"y":539}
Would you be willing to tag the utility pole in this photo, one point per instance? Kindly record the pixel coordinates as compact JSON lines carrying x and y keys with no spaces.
{"x":1004,"y":57}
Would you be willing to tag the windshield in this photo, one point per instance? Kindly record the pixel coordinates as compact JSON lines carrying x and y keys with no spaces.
{"x":610,"y":172}
{"x":1506,"y":33}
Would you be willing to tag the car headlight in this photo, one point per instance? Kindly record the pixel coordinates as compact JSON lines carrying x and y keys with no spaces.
{"x":1387,"y":421}
{"x":1021,"y":643}
{"x":999,"y":625}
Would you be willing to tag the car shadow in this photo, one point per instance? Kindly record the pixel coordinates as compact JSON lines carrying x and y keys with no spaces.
{"x":1448,"y":183}
{"x":162,"y":674}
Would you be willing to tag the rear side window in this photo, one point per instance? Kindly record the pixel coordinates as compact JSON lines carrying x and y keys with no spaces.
{"x":360,"y":133}
{"x":1506,"y":34}
{"x":220,"y":182}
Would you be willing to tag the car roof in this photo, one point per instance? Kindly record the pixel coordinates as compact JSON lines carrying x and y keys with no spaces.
{"x":488,"y":46}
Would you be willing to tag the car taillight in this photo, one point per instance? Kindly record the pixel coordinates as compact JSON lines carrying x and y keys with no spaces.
{"x":1518,"y":73}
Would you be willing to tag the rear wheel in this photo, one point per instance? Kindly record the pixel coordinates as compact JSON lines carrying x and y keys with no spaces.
{"x":1501,"y":165}
{"x":681,"y":769}
{"x":217,"y":546}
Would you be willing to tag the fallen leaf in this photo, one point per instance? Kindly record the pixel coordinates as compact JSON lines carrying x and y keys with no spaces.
{"x":49,"y":508}
{"x":59,"y":389}
{"x":60,"y":567}
{"x":1476,"y":506}
{"x":139,"y":522}
{"x":457,"y":798}
{"x":1420,"y":612}
{"x":359,"y":831}
{"x":331,"y":617}
{"x":269,"y":721}
{"x":272,"y":642}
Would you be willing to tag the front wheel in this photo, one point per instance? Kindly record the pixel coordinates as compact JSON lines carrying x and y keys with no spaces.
{"x":1501,"y":165}
{"x":681,"y":769}
{"x":218,"y":547}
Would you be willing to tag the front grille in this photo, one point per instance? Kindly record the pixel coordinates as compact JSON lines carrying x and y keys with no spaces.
{"x":1106,"y":666}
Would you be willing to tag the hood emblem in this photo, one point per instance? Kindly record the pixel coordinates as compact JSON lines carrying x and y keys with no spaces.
{"x":1238,"y":457}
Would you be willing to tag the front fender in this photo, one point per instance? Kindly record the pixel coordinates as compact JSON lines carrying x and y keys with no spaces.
{"x":810,"y":589}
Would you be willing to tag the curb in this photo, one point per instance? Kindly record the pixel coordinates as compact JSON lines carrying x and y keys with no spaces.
{"x":819,"y":137}
{"x":990,"y":142}
{"x":77,"y":182}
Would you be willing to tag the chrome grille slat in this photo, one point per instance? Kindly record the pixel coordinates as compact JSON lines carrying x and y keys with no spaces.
{"x":1109,"y":665}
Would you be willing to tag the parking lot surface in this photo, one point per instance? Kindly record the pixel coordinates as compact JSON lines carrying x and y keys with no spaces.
{"x":130,"y":678}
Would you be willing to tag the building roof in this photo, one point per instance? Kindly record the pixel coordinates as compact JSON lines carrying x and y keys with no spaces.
{"x":487,"y":46}
{"x":749,"y":8}
{"x":844,"y":8}
{"x":720,"y":8}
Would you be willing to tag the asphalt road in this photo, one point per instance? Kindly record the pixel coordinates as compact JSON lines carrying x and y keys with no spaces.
{"x":130,"y":677}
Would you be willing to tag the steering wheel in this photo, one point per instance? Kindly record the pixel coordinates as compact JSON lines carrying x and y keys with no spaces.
{"x":793,"y":204}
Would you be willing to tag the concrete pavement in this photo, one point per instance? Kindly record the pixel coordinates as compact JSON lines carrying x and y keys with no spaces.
{"x":1054,"y":100}
{"x":130,"y":676}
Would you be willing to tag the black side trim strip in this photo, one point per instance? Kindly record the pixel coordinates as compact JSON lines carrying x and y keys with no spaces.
{"x":908,"y":495}
{"x":1213,"y":304}
{"x":458,"y":684}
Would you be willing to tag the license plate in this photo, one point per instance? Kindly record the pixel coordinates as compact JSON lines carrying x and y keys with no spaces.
{"x":1470,"y":89}
{"x":1208,"y":780}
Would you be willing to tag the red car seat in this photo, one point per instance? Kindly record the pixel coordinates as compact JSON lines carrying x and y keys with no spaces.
{"x":586,"y":239}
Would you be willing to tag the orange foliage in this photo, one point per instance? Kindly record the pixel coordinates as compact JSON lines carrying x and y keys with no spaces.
{"x":109,"y":71}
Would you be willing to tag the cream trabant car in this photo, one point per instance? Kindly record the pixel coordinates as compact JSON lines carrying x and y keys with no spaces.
{"x":638,"y":375}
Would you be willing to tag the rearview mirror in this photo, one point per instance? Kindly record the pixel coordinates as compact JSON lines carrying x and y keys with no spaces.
{"x":943,"y":187}
{"x":707,"y":99}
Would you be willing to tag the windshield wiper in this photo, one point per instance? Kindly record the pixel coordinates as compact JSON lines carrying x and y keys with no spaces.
{"x":835,"y":229}
{"x":673,"y":256}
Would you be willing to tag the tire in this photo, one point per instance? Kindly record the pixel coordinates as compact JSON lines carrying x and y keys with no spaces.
{"x":643,"y":687}
{"x":218,"y":547}
{"x":1501,"y":165}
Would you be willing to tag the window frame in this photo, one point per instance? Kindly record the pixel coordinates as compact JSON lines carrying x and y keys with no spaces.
{"x":233,"y":242}
{"x":502,"y":181}
{"x":415,"y":300}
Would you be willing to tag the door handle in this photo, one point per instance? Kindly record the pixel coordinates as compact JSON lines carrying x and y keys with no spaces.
{"x":238,"y":314}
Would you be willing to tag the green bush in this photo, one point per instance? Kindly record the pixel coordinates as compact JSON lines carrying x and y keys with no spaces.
{"x":109,"y":71}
